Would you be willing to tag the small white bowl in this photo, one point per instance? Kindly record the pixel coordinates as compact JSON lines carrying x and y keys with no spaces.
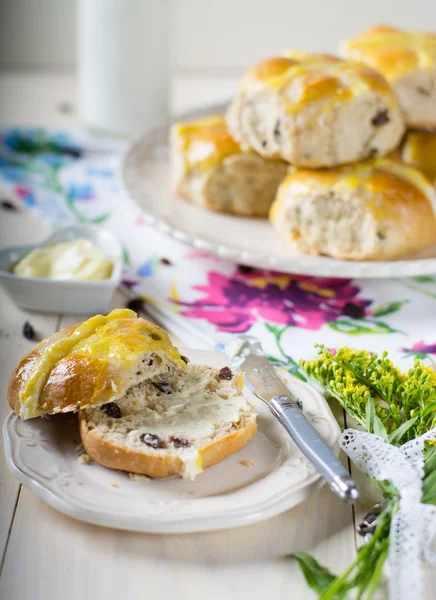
{"x":48,"y":295}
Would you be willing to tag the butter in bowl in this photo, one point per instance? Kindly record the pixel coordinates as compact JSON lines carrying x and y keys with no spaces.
{"x":75,"y":270}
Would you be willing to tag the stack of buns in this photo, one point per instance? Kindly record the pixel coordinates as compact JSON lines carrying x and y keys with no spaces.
{"x":339,"y":152}
{"x":142,"y":407}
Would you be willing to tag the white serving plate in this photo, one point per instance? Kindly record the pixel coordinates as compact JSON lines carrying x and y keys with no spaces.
{"x":41,"y":453}
{"x":49,"y":295}
{"x":146,"y":177}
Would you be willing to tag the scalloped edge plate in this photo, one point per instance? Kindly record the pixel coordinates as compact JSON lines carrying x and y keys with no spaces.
{"x":42,"y":455}
{"x":145,"y":176}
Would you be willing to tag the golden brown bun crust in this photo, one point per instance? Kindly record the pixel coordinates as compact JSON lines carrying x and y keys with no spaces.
{"x":22,"y":372}
{"x":160,"y":465}
{"x":392,"y":51}
{"x":419,"y":150}
{"x":318,"y":74}
{"x":270,"y":67}
{"x":403,"y":200}
{"x":216,"y":133}
{"x":212,"y":134}
{"x":376,"y":179}
{"x":86,"y":377}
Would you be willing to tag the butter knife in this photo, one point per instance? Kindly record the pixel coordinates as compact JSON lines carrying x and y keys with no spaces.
{"x":246,"y":355}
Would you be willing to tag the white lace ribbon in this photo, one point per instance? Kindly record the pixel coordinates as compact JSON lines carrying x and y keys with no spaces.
{"x":414,"y":525}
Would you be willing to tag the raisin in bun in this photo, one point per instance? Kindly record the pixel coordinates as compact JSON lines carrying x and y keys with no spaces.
{"x":408,"y":61}
{"x":377,"y":210}
{"x":315,"y":111}
{"x":175,"y":425}
{"x":209,"y":169}
{"x":91,"y":363}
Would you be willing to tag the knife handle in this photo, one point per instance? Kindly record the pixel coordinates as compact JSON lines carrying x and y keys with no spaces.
{"x":314,"y":448}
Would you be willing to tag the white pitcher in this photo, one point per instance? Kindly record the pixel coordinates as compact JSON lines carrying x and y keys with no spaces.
{"x":123,"y":64}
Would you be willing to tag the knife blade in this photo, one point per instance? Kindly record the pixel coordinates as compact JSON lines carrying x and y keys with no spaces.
{"x":246,"y":355}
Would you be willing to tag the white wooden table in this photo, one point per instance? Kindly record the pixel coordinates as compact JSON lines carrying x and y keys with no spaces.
{"x":45,"y":555}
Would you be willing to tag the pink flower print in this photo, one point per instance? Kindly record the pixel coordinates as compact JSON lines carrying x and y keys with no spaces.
{"x":422,"y":347}
{"x":26,"y":195}
{"x":420,"y":350}
{"x":140,"y":222}
{"x":199,"y":255}
{"x":235,"y":303}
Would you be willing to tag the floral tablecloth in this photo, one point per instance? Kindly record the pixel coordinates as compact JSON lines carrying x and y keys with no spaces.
{"x":65,"y":178}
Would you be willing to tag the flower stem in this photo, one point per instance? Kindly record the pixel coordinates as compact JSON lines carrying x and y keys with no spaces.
{"x":336,"y":585}
{"x":278,"y":337}
{"x":416,"y":289}
{"x":294,"y":368}
{"x":373,"y":582}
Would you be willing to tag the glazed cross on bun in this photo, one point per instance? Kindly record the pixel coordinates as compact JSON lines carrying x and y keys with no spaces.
{"x":380,"y":209}
{"x":209,"y":169}
{"x":91,"y":363}
{"x":315,"y":111}
{"x":408,"y":61}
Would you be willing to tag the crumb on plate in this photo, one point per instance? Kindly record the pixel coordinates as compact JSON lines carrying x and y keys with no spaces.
{"x":138,"y":477}
{"x":114,"y":485}
{"x":82,"y":456}
{"x":247,"y":463}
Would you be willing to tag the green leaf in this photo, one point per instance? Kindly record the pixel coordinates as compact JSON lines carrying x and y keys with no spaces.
{"x":387,"y":308}
{"x":428,"y":408}
{"x":396,"y":435}
{"x":272,"y":328}
{"x":294,"y":370}
{"x":373,"y":423}
{"x":318,"y":578}
{"x":379,"y":429}
{"x":274,"y":359}
{"x":424,"y":278}
{"x":101,"y":218}
{"x":388,"y":489}
{"x":430,"y":459}
{"x":276,"y":331}
{"x":126,"y":257}
{"x":360,"y":327}
{"x":429,"y":489}
{"x":370,"y":415}
{"x":376,"y":573}
{"x":291,"y":366}
{"x":421,"y":355}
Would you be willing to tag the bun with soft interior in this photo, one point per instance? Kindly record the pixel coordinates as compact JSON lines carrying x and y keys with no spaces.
{"x":175,"y":425}
{"x":408,"y":61}
{"x":315,"y":111}
{"x":376,"y":210}
{"x":209,"y":169}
